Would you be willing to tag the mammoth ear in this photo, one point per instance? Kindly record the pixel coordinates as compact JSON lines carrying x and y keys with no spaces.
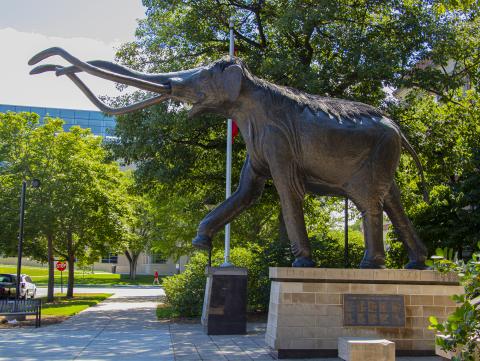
{"x":232,"y":78}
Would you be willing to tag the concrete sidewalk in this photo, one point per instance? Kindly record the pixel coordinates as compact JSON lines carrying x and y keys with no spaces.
{"x":125,"y":328}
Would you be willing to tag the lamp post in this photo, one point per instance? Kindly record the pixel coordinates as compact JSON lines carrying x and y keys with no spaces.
{"x":35,"y":184}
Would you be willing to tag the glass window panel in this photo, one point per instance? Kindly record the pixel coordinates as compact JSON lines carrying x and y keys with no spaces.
{"x":52,"y":112}
{"x":110,"y":258}
{"x":83,"y":123}
{"x":95,"y":123}
{"x":67,"y":113}
{"x":6,"y":108}
{"x":85,"y":114}
{"x":96,"y":115}
{"x":38,"y":110}
{"x":96,"y":130}
{"x":69,"y":120}
{"x":158,"y":258}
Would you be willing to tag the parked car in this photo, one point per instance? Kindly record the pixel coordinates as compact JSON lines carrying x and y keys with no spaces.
{"x":8,"y":286}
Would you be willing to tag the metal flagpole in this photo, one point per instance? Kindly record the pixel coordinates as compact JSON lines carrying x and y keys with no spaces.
{"x":346,"y":260}
{"x":228,"y":188}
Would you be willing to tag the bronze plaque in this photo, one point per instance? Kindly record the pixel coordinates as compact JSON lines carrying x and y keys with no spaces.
{"x":373,"y":310}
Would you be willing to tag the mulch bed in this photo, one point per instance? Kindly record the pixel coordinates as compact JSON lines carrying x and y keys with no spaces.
{"x":30,"y":322}
{"x":256,"y":317}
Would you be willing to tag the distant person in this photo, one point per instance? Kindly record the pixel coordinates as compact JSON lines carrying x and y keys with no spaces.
{"x":155,"y":278}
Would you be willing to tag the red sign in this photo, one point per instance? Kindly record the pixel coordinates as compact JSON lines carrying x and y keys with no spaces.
{"x":61,"y":266}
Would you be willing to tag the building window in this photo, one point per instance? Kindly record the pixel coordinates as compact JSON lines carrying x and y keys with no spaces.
{"x":110,"y":258}
{"x":158,"y":258}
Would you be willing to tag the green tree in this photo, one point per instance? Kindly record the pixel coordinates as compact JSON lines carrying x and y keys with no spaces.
{"x":142,"y":231}
{"x":80,"y":204}
{"x":347,"y":49}
{"x":446,"y":135}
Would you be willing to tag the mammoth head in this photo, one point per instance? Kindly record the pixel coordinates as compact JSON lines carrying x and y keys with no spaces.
{"x":211,"y":88}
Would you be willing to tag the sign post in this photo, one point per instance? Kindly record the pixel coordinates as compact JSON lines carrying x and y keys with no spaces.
{"x":61,"y":266}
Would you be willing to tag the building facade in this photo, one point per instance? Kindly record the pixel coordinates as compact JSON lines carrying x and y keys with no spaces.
{"x":98,"y":122}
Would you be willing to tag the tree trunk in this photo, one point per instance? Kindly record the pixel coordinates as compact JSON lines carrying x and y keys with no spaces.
{"x":132,"y":262}
{"x":51,"y":269}
{"x":134,"y":266}
{"x":71,"y":265}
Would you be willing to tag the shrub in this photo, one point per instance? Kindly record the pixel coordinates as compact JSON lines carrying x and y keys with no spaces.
{"x":329,"y":249}
{"x":462,"y":327}
{"x":184,"y":292}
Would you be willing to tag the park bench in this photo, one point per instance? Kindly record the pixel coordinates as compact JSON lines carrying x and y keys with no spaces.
{"x":22,"y":307}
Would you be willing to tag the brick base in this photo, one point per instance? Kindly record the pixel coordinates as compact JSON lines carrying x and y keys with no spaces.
{"x":306,"y":307}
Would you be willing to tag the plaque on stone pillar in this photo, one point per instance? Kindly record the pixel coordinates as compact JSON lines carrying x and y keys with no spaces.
{"x":225,"y":303}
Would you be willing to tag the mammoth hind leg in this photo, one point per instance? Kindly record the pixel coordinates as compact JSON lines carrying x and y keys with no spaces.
{"x":373,"y":233}
{"x":417,"y":252}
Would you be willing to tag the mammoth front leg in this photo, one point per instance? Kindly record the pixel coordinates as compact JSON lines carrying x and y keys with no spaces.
{"x":249,"y":189}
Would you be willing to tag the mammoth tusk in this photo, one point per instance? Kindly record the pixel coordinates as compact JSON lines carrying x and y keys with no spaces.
{"x":114,"y":111}
{"x":93,"y":70}
{"x":100,"y":105}
{"x":44,"y":68}
{"x":118,"y":69}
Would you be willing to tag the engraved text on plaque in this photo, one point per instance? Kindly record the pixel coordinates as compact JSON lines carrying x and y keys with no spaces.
{"x":368,"y":310}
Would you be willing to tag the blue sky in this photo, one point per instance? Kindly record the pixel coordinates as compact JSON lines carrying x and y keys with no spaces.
{"x":89,"y":29}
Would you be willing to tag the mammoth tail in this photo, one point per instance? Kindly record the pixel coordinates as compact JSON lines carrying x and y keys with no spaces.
{"x":408,"y":147}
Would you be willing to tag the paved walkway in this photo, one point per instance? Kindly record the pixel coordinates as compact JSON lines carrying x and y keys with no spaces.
{"x":125,"y":328}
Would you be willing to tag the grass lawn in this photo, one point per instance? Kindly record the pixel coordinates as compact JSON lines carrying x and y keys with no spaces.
{"x":60,"y":309}
{"x":62,"y":306}
{"x":39,"y":275}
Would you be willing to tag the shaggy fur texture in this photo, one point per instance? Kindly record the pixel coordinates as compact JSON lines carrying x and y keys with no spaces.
{"x":339,"y":109}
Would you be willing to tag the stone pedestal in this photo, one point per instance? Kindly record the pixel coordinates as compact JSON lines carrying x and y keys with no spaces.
{"x":225,"y":303}
{"x":310,"y":308}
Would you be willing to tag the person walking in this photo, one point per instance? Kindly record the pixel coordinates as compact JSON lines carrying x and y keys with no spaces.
{"x":155,"y":278}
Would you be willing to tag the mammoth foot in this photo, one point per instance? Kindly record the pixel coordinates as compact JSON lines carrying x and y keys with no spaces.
{"x":416,"y":265}
{"x":303,"y":262}
{"x":202,"y":242}
{"x":371,"y":264}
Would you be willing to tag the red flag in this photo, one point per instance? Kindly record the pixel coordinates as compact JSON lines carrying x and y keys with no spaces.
{"x":234,"y":125}
{"x":234,"y":130}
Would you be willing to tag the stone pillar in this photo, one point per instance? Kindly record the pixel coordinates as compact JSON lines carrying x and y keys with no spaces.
{"x":225,"y":303}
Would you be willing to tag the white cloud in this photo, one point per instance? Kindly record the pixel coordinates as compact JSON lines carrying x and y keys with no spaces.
{"x":17,"y":87}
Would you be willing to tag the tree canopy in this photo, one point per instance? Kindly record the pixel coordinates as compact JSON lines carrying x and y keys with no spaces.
{"x":81,"y":202}
{"x":349,"y":49}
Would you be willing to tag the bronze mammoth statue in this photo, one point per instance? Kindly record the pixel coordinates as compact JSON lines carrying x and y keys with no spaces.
{"x":305,"y":143}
